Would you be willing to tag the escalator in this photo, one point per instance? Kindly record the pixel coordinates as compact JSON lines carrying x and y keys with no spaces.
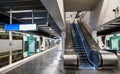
{"x":90,"y":55}
{"x":79,"y":48}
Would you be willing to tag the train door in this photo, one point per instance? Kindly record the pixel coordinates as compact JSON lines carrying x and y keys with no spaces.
{"x":114,"y":42}
{"x":119,"y":43}
{"x":37,"y":45}
{"x":31,"y":44}
{"x":46,"y":43}
{"x":26,"y":49}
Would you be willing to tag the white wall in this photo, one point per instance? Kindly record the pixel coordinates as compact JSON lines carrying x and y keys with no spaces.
{"x":102,"y":13}
{"x":6,"y":45}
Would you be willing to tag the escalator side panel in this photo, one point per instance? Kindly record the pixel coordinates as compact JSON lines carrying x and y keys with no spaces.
{"x":101,"y":58}
{"x":92,"y":44}
{"x":70,"y":57}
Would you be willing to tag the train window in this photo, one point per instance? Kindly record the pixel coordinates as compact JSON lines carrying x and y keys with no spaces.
{"x":103,"y":39}
{"x":4,"y":35}
{"x":108,"y":43}
{"x":17,"y":55}
{"x":37,"y":45}
{"x":17,"y":36}
{"x":41,"y":40}
{"x":4,"y":59}
{"x":26,"y":46}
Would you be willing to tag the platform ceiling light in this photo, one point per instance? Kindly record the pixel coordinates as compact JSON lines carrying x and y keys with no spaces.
{"x":29,"y":18}
{"x":2,"y":31}
{"x":45,"y":27}
{"x":50,"y":29}
{"x":23,"y":11}
{"x":115,"y":23}
{"x":102,"y":28}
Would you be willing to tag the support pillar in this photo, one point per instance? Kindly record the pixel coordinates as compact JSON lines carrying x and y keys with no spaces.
{"x":10,"y":38}
{"x":62,"y":42}
{"x":94,"y":35}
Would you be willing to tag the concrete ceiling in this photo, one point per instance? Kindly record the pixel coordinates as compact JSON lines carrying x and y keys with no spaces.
{"x":55,"y":9}
{"x":22,"y":12}
{"x":79,"y":5}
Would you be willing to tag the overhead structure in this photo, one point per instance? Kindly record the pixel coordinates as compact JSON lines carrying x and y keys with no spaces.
{"x":28,"y":12}
{"x":79,"y":5}
{"x":56,"y":10}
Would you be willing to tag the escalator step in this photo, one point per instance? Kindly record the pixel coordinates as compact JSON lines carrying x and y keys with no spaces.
{"x":82,"y":56}
{"x":81,"y":53}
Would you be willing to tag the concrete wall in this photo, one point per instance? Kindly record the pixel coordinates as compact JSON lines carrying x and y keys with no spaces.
{"x":56,"y":10}
{"x":102,"y":13}
{"x":70,"y":16}
{"x":61,"y":7}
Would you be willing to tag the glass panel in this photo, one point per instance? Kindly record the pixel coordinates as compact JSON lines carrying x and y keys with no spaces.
{"x":4,"y":59}
{"x":17,"y":55}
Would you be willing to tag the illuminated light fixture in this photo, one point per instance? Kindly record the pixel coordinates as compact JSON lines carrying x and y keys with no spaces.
{"x":24,"y":11}
{"x":29,"y":18}
{"x":102,"y":28}
{"x":50,"y":29}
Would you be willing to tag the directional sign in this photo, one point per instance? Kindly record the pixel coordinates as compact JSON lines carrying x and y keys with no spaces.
{"x":20,"y":27}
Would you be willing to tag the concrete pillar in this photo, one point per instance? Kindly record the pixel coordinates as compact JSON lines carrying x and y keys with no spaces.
{"x":62,"y":41}
{"x":10,"y":44}
{"x":94,"y":35}
{"x":10,"y":38}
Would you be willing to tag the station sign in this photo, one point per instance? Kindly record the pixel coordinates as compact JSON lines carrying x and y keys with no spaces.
{"x":20,"y":27}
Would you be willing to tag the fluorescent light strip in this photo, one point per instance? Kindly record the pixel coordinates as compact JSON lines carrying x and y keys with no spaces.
{"x":23,"y":11}
{"x":29,"y":18}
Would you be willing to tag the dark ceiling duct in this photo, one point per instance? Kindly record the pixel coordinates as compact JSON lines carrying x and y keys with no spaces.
{"x":108,"y":31}
{"x":6,"y":19}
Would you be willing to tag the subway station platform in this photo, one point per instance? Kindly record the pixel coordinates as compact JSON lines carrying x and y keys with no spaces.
{"x":47,"y":62}
{"x":59,"y":36}
{"x":50,"y":62}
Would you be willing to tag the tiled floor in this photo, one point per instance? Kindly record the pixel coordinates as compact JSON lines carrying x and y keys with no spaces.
{"x":48,"y":63}
{"x":52,"y":63}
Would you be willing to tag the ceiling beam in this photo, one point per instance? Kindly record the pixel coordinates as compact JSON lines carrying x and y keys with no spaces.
{"x":56,"y":10}
{"x":6,"y":19}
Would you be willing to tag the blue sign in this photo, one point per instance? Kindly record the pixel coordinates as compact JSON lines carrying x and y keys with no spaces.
{"x":9,"y":27}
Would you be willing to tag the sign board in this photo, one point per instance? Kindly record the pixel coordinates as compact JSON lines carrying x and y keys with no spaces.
{"x":20,"y":27}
